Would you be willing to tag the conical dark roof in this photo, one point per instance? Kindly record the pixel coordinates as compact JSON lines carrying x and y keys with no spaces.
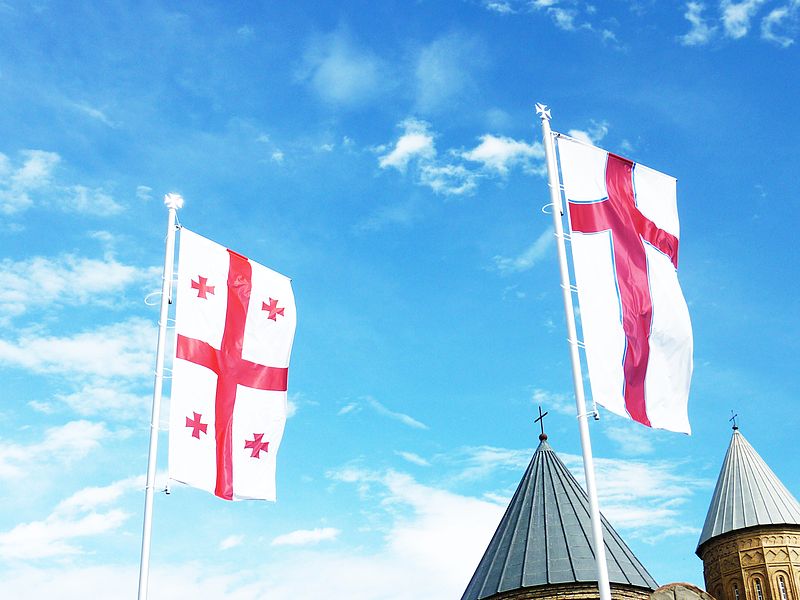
{"x":545,"y":537}
{"x":748,"y":493}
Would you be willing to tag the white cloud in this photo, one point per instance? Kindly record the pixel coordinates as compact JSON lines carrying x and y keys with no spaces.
{"x":66,"y":280}
{"x":306,"y":537}
{"x":123,"y":349}
{"x":81,"y":515}
{"x":736,"y":16}
{"x":59,"y":445}
{"x":498,"y":153}
{"x":529,"y":257}
{"x":701,"y":32}
{"x":340,"y":72}
{"x":416,"y":141}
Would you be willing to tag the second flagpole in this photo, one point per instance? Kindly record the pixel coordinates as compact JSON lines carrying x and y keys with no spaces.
{"x":173,"y":202}
{"x":577,"y":378}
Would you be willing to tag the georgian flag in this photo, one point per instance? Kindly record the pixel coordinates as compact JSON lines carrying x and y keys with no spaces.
{"x":624,"y":231}
{"x":234,"y":326}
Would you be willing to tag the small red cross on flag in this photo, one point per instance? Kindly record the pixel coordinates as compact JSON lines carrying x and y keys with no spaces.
{"x":624,"y":236}
{"x":230,"y":371}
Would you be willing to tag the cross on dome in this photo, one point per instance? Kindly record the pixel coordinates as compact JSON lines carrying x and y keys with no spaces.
{"x":540,"y":420}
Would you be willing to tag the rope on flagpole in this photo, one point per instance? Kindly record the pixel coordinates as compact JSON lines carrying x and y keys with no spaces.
{"x":577,"y":378}
{"x":173,"y":202}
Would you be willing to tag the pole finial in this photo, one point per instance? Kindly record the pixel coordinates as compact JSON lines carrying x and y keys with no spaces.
{"x":542,"y":111}
{"x":173,"y":200}
{"x":733,"y":419}
{"x":540,"y":420}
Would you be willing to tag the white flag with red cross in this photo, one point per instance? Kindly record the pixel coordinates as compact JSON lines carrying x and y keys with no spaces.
{"x":624,"y":234}
{"x":234,"y":327}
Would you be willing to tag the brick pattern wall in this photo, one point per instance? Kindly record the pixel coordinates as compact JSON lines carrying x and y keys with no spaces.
{"x":763,"y":560}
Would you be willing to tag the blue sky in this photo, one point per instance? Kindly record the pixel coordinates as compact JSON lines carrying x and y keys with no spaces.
{"x":387,"y":157}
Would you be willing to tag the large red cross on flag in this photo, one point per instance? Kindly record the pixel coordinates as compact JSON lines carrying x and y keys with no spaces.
{"x":234,"y":326}
{"x":624,"y":232}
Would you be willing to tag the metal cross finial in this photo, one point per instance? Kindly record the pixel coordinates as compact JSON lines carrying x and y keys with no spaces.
{"x":733,"y":418}
{"x":542,"y":110}
{"x":540,"y":420}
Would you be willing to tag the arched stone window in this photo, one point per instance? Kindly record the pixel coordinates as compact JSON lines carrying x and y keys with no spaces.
{"x":759,"y":592}
{"x":735,"y":592}
{"x":784,"y":594}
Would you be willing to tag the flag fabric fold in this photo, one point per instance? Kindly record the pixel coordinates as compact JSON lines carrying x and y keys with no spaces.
{"x":234,"y":327}
{"x":624,"y":235}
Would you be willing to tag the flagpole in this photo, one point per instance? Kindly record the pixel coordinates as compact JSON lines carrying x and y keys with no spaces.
{"x":577,"y":378}
{"x":173,"y":202}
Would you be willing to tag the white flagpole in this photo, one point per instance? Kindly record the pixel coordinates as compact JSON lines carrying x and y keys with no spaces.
{"x":577,"y":379}
{"x":173,"y":202}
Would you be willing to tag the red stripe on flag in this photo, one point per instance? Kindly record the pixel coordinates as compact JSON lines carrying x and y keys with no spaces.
{"x":630,"y":229}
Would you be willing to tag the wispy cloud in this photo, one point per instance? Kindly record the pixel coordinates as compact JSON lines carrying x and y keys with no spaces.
{"x":781,"y":18}
{"x":94,"y":113}
{"x":82,"y":515}
{"x":397,"y":416}
{"x":701,"y":32}
{"x":643,"y":498}
{"x":477,"y":462}
{"x":122,"y":349}
{"x":736,"y":16}
{"x":59,"y":445}
{"x":17,"y":184}
{"x":372,"y":403}
{"x":306,"y":537}
{"x":414,"y":459}
{"x":445,"y":69}
{"x":34,"y":181}
{"x":528,"y":258}
{"x":65,"y":280}
{"x":232,"y":541}
{"x":593,"y":135}
{"x":340,"y":71}
{"x":563,"y":404}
